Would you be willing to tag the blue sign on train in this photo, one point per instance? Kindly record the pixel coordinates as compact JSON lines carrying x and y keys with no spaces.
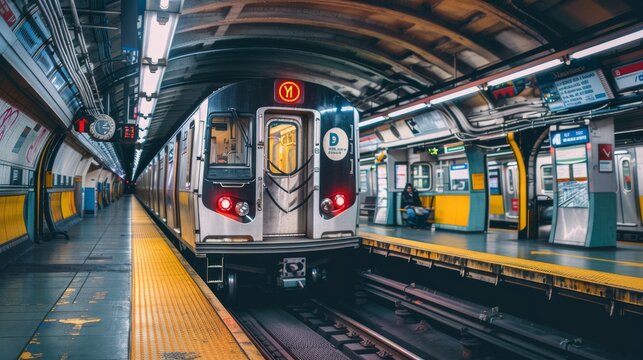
{"x":569,"y":137}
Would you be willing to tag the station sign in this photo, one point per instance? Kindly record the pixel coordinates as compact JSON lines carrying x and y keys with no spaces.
{"x":569,"y":137}
{"x":289,"y":92}
{"x":629,"y":76}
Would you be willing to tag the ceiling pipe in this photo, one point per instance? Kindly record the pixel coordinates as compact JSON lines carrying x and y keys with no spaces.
{"x":83,"y":50}
{"x":63,"y":44}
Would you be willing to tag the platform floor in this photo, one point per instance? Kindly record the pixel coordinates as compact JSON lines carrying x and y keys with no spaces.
{"x":115,"y":290}
{"x":625,"y":259}
{"x":613,"y":277}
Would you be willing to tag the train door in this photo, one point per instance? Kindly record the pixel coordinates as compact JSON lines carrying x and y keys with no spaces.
{"x":161,"y":188}
{"x":288,"y":170}
{"x":511,"y":191}
{"x":626,"y":198}
{"x":173,"y":158}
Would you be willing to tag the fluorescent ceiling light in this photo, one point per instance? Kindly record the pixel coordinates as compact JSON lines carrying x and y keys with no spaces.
{"x":522,"y":73}
{"x":143,"y":123}
{"x":146,"y":107}
{"x":407,"y":110}
{"x":157,"y":36}
{"x":151,"y":81}
{"x":372,"y":121}
{"x":455,"y":95}
{"x":608,"y":45}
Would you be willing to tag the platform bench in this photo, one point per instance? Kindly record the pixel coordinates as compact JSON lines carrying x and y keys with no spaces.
{"x":367,"y":207}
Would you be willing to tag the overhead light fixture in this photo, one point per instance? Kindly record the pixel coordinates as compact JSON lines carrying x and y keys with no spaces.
{"x":151,"y":81}
{"x":454,"y":95}
{"x":408,"y":110}
{"x":158,"y":34}
{"x":143,"y":123}
{"x":637,"y":35}
{"x":146,"y":107}
{"x":372,"y":121}
{"x":522,"y":73}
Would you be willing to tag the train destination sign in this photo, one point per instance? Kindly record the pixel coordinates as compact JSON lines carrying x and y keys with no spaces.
{"x":569,"y":137}
{"x":289,"y":92}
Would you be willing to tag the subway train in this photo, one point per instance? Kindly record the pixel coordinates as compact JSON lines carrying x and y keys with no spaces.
{"x":431,"y":176}
{"x":261,"y":179}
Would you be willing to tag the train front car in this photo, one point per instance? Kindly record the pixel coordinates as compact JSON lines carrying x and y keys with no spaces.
{"x":278,"y":189}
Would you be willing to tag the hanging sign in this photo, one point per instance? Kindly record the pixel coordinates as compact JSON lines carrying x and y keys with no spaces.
{"x":629,"y":76}
{"x":563,"y":90}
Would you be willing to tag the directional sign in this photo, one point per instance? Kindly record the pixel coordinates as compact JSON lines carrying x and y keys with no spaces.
{"x":569,"y":137}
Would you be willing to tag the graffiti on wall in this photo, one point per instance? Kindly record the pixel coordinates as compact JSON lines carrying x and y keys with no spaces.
{"x":21,"y":138}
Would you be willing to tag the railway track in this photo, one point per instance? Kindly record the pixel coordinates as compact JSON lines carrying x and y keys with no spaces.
{"x":479,"y":325}
{"x":422,"y":324}
{"x":319,"y":331}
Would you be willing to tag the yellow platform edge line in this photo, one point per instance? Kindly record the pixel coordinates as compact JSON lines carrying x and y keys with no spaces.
{"x":590,"y":276}
{"x":245,"y":344}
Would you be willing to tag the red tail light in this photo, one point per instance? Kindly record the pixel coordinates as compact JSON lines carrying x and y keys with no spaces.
{"x":339,"y":200}
{"x":224,"y":203}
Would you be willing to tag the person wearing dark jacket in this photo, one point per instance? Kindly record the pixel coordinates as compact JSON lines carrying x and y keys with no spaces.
{"x":411,"y":201}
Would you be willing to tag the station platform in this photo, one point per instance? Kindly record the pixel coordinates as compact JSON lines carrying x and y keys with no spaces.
{"x":610,"y":276}
{"x":115,"y":290}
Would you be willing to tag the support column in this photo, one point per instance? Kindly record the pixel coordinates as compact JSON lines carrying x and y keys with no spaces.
{"x":584,"y":192}
{"x":525,"y":146}
{"x":478,"y":202}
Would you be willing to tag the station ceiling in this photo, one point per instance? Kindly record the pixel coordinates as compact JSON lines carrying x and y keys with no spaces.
{"x":377,"y":53}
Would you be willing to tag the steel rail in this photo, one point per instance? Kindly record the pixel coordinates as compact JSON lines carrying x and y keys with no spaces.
{"x":488,"y":324}
{"x":367,"y":332}
{"x":263,"y":338}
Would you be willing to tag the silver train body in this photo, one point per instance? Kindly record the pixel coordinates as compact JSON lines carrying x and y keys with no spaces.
{"x":264,"y":174}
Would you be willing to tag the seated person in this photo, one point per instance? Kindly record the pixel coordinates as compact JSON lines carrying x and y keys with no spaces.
{"x":416,"y":215}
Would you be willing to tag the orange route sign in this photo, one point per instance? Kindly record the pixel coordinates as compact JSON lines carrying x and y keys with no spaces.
{"x":289,"y":92}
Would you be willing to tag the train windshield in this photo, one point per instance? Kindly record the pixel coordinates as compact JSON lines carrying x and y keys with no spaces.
{"x":229,"y":149}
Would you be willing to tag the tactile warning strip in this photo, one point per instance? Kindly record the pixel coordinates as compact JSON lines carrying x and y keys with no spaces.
{"x":633,"y":285}
{"x":171,"y":317}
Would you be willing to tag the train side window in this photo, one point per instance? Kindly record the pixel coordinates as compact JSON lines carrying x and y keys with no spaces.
{"x":363,"y":180}
{"x":510,"y":180}
{"x":229,"y":148}
{"x":421,"y":176}
{"x":626,"y":172}
{"x":547,"y":178}
{"x":282,"y":147}
{"x":494,"y":182}
{"x":188,"y":155}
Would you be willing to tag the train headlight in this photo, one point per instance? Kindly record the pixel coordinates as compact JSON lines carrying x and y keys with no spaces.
{"x":339,"y":200}
{"x":242,"y":208}
{"x":225,"y":203}
{"x":326,"y":206}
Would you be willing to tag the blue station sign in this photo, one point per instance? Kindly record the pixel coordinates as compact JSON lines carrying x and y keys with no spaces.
{"x":569,"y":137}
